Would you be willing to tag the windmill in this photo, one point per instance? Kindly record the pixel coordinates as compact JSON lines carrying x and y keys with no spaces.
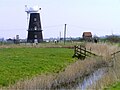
{"x":34,"y":24}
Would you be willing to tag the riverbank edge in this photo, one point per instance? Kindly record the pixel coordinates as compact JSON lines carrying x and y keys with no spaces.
{"x":79,"y":76}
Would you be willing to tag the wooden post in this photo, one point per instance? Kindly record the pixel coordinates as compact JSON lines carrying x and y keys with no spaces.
{"x":65,"y":34}
{"x":85,"y":52}
{"x":80,"y":49}
{"x":90,"y":49}
{"x":75,"y":50}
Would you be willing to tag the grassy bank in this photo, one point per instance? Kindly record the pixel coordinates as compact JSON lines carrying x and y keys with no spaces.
{"x":115,"y":74}
{"x":115,"y":86}
{"x":20,"y":63}
{"x":112,"y":76}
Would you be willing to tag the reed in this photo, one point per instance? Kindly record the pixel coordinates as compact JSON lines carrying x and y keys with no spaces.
{"x":113,"y":74}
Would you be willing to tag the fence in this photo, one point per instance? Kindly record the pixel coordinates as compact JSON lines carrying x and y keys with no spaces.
{"x":81,"y":52}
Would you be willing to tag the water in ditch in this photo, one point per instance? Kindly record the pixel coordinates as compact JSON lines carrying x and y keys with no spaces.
{"x":87,"y":81}
{"x":90,"y":80}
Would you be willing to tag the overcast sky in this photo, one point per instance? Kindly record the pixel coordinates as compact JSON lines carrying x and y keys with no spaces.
{"x":101,"y":17}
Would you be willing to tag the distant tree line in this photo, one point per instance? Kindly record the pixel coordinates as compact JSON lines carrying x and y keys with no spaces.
{"x":111,"y":38}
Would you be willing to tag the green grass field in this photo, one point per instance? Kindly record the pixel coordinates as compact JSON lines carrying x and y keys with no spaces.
{"x":22,"y":63}
{"x":115,"y":87}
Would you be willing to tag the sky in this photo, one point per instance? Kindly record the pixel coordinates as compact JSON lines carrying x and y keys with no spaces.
{"x":101,"y":17}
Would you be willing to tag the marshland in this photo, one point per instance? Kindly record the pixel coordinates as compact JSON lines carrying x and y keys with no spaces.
{"x":51,"y":66}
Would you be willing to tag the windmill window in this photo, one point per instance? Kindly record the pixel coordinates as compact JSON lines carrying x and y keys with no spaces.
{"x":35,"y":36}
{"x":35,"y":28}
{"x":35,"y":19}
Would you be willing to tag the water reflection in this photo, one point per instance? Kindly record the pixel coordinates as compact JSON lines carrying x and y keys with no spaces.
{"x":86,"y":82}
{"x":90,"y":80}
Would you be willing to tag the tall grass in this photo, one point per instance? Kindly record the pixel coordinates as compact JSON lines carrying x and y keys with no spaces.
{"x":111,"y":78}
{"x":102,"y":49}
{"x":113,"y":74}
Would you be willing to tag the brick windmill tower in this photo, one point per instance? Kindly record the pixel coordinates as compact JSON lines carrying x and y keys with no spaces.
{"x":34,"y":25}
